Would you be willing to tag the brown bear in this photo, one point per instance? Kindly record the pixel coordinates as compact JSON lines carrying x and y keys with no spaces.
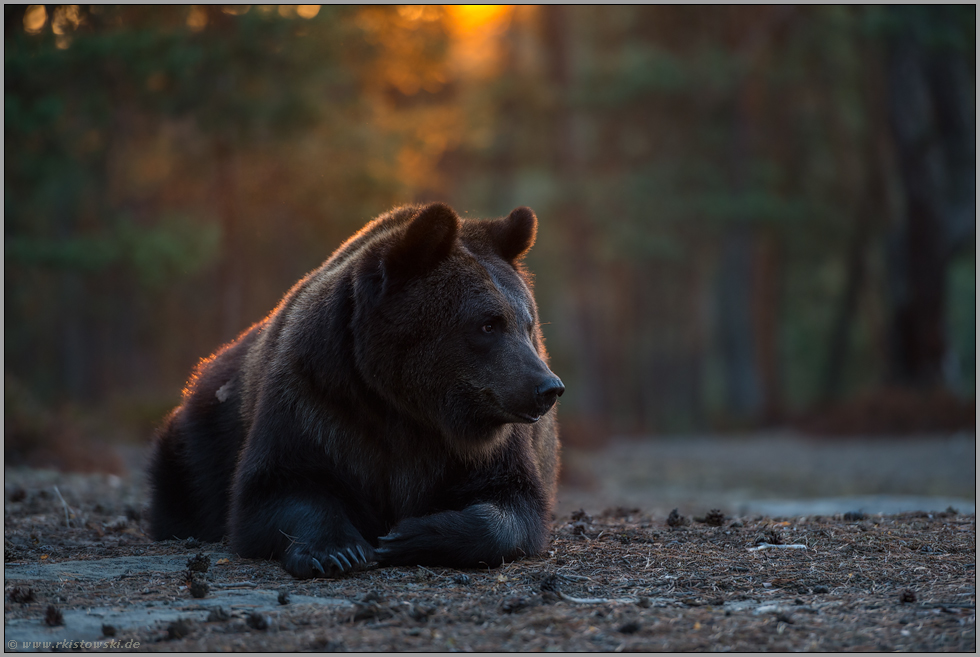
{"x":396,"y":406}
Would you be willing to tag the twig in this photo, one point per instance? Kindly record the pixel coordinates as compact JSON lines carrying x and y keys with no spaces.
{"x":433,"y":574}
{"x":235,"y":585}
{"x":766,"y":546}
{"x":596,"y":601}
{"x":65,"y":504}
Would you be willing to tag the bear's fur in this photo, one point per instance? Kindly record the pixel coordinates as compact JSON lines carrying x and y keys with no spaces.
{"x":396,"y":406}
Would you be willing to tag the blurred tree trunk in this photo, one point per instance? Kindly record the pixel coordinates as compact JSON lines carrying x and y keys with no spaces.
{"x":742,"y":383}
{"x":569,"y":162}
{"x":749,"y":287}
{"x":765,"y":304}
{"x":739,"y":311}
{"x":847,"y":309}
{"x":74,"y":372}
{"x":232,"y":270}
{"x":933,"y":127}
{"x":869,"y":213}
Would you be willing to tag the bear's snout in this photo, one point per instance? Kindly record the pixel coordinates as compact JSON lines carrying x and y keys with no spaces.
{"x":546,"y":393}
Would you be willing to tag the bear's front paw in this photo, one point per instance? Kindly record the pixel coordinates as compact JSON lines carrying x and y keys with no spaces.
{"x":305,"y":563}
{"x":408,"y":543}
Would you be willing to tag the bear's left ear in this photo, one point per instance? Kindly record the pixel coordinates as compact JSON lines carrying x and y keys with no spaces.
{"x":514,"y":235}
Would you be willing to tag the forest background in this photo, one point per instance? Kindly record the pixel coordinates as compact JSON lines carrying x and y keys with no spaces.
{"x":749,"y":216}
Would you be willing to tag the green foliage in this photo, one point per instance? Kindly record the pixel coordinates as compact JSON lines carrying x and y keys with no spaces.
{"x":943,"y":27}
{"x":159,"y":176}
{"x":669,"y":130}
{"x":166,"y":184}
{"x":172,"y":248}
{"x":962,"y":318}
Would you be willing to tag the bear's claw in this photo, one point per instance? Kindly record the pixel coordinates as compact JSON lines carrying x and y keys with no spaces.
{"x":304,"y":565}
{"x":393,"y":546}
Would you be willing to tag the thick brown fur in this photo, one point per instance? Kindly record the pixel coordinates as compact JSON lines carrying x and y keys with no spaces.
{"x":396,"y":406}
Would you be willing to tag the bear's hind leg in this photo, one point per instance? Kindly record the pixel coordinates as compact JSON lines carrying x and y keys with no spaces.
{"x":172,"y":509}
{"x":189,"y":476}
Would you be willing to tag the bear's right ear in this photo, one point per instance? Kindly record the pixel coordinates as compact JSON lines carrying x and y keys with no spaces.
{"x":427,"y":241}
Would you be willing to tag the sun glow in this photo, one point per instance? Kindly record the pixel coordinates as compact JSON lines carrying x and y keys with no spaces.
{"x":475,"y":32}
{"x":469,"y":18}
{"x":34,"y":18}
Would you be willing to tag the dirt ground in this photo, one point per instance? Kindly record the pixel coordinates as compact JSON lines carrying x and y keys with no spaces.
{"x":79,"y":570}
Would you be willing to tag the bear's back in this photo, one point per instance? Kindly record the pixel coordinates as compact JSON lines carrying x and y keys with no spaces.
{"x":315,"y":289}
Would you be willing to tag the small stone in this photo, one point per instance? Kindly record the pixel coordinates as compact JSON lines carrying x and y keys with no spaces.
{"x":283,"y":597}
{"x":53,"y":616}
{"x":323,"y":643}
{"x":370,"y":611}
{"x":714,"y":518}
{"x":218,"y":615}
{"x":515,"y":604}
{"x":550,"y":582}
{"x":821,"y":589}
{"x":199,"y":563}
{"x":117,"y":524}
{"x":179,"y":629}
{"x":257,"y":621}
{"x":907,"y":596}
{"x":108,"y":630}
{"x":199,"y":586}
{"x":462,"y":579}
{"x":632,"y":627}
{"x":675,"y":519}
{"x":21,"y":594}
{"x":773,"y":537}
{"x":550,"y":597}
{"x":854,"y":516}
{"x":421,"y":612}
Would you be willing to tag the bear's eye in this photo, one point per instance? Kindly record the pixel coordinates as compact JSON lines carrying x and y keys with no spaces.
{"x":488,"y":328}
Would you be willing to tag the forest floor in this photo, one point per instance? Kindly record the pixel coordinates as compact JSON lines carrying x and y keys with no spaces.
{"x":80,"y":573}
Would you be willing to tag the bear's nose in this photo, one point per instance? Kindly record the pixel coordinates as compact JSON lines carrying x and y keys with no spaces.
{"x":548,"y":391}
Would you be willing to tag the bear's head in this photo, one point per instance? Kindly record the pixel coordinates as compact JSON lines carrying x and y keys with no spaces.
{"x":447,"y":328}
